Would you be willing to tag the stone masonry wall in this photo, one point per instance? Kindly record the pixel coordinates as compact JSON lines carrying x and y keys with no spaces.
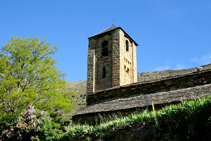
{"x":119,"y":64}
{"x":128,"y":69}
{"x":142,"y":88}
{"x":91,"y":67}
{"x":115,"y":59}
{"x":96,"y":62}
{"x":103,"y":61}
{"x":126,"y":106}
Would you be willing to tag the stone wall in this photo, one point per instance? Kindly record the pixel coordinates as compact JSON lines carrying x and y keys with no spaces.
{"x":119,"y":63}
{"x":126,"y":106}
{"x":103,"y":61}
{"x":115,"y":59}
{"x":90,"y":76}
{"x":160,"y":85}
{"x":128,"y":68}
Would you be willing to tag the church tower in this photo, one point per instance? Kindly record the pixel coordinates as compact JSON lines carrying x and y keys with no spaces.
{"x":111,"y":60}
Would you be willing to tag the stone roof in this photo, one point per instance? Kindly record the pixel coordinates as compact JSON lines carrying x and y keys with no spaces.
{"x":142,"y":101}
{"x":106,"y":30}
{"x":113,"y":27}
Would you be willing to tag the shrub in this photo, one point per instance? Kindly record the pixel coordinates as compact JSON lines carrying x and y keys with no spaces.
{"x":32,"y":125}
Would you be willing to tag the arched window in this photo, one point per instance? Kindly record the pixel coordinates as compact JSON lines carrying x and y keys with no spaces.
{"x":104,"y":72}
{"x":105,"y":48}
{"x":127,"y":46}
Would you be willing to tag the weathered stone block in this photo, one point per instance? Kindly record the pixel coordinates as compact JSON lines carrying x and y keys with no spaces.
{"x":161,"y":85}
{"x":107,"y":52}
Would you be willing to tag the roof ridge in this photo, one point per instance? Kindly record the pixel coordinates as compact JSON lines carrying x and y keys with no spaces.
{"x":106,"y":30}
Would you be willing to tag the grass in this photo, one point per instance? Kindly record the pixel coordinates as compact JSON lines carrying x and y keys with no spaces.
{"x":80,"y":88}
{"x":168,"y":111}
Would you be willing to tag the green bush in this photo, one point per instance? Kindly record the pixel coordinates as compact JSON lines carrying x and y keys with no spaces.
{"x":32,"y":124}
{"x":190,"y":120}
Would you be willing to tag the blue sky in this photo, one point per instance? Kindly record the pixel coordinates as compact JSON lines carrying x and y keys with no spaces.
{"x":172,"y":34}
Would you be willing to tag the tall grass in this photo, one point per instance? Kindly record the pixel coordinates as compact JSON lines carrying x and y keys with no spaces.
{"x":172,"y":110}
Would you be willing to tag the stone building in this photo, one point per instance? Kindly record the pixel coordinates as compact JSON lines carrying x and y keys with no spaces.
{"x":112,"y":86}
{"x":111,"y":60}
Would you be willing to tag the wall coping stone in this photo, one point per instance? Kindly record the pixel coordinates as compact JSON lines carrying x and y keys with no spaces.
{"x":152,"y":81}
{"x":160,"y":85}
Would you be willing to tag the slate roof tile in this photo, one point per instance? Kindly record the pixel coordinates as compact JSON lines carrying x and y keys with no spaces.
{"x":113,"y":27}
{"x":106,"y":30}
{"x":141,"y":100}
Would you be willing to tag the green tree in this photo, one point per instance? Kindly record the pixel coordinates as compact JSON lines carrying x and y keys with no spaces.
{"x":28,"y":76}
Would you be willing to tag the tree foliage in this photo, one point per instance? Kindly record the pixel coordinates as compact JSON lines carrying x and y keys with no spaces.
{"x":28,"y":76}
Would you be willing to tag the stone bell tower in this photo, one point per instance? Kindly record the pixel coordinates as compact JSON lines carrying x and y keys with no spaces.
{"x":111,"y":60}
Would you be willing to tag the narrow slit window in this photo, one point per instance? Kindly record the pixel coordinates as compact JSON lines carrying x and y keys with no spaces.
{"x":127,"y":71}
{"x":127,"y":46}
{"x":104,"y":72}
